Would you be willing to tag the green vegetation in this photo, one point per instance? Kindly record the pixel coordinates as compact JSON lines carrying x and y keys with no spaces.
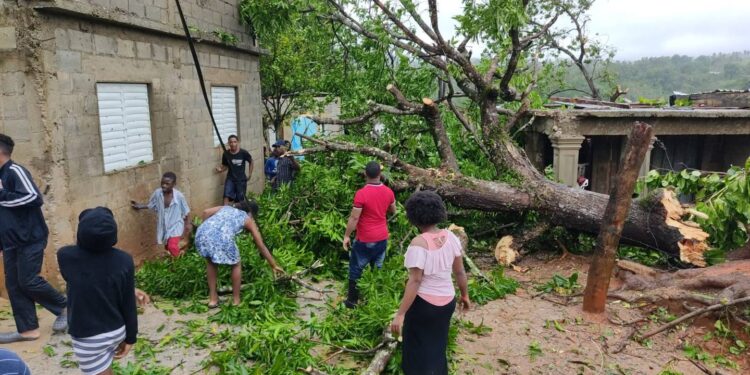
{"x":723,"y":198}
{"x":300,"y":225}
{"x":226,"y":37}
{"x":658,"y":77}
{"x":561,"y":285}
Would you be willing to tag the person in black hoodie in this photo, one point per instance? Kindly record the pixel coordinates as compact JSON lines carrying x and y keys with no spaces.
{"x":23,"y":238}
{"x":102,"y":316}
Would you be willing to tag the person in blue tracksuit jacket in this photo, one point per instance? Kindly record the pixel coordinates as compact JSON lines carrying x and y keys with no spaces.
{"x":23,"y":237}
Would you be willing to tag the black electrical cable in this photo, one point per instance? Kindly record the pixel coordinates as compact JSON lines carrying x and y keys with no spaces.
{"x":203,"y":85}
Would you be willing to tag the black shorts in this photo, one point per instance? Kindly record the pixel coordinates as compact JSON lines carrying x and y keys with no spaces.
{"x":235,"y":190}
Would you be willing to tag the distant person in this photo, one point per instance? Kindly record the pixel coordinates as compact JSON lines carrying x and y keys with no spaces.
{"x":286,"y":168}
{"x":101,"y":293}
{"x":172,"y":214}
{"x":23,"y":238}
{"x":271,"y":167}
{"x":424,"y":316}
{"x":11,"y":363}
{"x":371,"y":205}
{"x":234,"y":161}
{"x":215,"y":241}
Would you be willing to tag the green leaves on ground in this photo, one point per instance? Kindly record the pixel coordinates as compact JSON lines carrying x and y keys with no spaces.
{"x":561,"y":285}
{"x":266,"y":333}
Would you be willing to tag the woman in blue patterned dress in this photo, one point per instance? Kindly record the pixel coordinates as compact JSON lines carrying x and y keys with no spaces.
{"x":215,"y":242}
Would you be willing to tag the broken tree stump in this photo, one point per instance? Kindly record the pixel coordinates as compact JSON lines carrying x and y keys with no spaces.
{"x":620,"y":199}
{"x":510,"y":249}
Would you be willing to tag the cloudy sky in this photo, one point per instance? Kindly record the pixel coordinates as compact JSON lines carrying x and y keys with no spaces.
{"x":641,"y":28}
{"x":644,"y":28}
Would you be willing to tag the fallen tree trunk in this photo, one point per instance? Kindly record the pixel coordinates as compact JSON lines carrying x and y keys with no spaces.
{"x":655,"y":222}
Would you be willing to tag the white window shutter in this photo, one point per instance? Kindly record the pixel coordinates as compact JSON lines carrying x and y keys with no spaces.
{"x":125,"y":125}
{"x":224,"y":107}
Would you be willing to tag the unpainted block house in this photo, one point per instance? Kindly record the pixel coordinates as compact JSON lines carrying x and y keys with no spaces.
{"x":102,"y":97}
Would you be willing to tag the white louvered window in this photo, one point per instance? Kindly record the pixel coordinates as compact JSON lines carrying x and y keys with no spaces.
{"x":224,"y":107}
{"x":125,"y":125}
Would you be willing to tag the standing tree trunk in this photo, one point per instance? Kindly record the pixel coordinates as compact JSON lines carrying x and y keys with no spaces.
{"x":600,"y":272}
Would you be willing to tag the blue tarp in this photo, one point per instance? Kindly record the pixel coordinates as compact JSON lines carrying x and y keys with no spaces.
{"x":302,"y":125}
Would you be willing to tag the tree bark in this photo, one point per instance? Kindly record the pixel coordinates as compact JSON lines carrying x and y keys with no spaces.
{"x":600,"y":272}
{"x":655,"y":222}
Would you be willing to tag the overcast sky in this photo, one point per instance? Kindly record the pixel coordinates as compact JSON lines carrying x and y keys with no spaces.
{"x":646,"y":28}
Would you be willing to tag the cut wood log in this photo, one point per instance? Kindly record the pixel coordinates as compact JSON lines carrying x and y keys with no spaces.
{"x":510,"y":248}
{"x":382,"y":356}
{"x":605,"y":252}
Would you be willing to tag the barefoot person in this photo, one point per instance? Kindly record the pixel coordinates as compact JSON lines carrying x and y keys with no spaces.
{"x":23,"y":237}
{"x":429,"y":299}
{"x":172,"y":221}
{"x":371,"y":205}
{"x":101,"y":293}
{"x":234,"y":161}
{"x":214,"y":240}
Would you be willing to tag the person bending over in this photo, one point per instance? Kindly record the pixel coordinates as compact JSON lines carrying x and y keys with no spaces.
{"x":214,"y":240}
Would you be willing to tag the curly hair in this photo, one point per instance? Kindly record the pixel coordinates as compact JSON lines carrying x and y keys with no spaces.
{"x":425,"y":208}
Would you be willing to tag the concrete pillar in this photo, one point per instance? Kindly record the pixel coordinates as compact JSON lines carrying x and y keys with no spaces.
{"x":565,"y":162}
{"x":646,"y":166}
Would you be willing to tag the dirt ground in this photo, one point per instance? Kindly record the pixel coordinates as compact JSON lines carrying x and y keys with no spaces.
{"x":516,"y":335}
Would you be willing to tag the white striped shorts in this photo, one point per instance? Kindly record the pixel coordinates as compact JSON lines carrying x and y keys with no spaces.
{"x":95,"y":353}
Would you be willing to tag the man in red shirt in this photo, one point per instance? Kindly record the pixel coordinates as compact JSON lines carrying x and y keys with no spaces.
{"x":371,"y":205}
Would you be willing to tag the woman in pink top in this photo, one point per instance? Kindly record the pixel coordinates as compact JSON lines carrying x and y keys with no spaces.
{"x":429,"y":299}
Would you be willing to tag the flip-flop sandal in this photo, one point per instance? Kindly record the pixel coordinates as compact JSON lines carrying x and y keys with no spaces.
{"x":7,"y":338}
{"x":214,"y":306}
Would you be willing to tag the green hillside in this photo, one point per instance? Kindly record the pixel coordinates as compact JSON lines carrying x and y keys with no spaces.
{"x":658,"y":77}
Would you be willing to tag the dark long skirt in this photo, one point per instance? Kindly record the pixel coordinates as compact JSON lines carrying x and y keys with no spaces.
{"x":425,"y":334}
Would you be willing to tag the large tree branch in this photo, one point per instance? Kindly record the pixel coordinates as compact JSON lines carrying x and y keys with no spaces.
{"x":431,"y":113}
{"x":388,"y":158}
{"x":343,"y":17}
{"x":506,"y":92}
{"x":407,"y":32}
{"x":412,"y":9}
{"x":460,"y":59}
{"x":375,"y":109}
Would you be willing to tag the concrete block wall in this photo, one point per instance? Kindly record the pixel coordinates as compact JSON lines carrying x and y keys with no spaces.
{"x":205,"y":15}
{"x":182,"y":133}
{"x":49,"y":106}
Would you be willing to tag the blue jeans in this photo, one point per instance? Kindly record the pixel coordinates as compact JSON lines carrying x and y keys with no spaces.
{"x":364,"y":253}
{"x":235,"y":190}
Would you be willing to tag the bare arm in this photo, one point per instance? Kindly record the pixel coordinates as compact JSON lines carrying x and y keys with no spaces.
{"x":351,"y":225}
{"x":138,"y":206}
{"x":392,"y":208}
{"x":262,"y":249}
{"x":410,"y":294}
{"x":460,"y":273}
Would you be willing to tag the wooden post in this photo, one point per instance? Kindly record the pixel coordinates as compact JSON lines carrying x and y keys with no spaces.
{"x":620,"y":199}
